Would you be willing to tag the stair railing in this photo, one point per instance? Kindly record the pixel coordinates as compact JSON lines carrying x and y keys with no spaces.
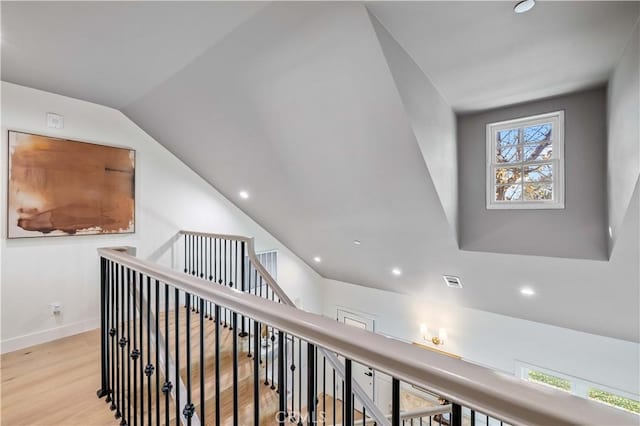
{"x":214,"y":395}
{"x":219,"y":257}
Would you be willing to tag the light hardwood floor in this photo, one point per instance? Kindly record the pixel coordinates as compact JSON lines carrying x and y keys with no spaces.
{"x":54,"y":383}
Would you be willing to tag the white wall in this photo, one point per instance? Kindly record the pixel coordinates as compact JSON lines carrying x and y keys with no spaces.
{"x":169,"y":197}
{"x":432,"y":120}
{"x":492,"y":340}
{"x":623,"y":149}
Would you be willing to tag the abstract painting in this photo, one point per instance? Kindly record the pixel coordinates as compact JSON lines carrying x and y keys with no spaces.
{"x":63,"y":187}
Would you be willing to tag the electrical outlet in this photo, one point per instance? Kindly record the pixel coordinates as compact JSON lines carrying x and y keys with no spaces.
{"x":56,"y":308}
{"x":55,"y":121}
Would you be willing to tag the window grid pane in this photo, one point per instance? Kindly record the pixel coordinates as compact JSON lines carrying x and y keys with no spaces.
{"x":519,"y":174}
{"x":525,"y":162}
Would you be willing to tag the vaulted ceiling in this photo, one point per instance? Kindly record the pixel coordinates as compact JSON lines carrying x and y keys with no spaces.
{"x":339,"y":119}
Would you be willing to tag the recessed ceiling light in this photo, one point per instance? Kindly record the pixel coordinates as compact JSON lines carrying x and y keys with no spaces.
{"x":527,"y":291}
{"x":524,"y":6}
{"x":317,"y":259}
{"x":244,"y":194}
{"x":357,"y":242}
{"x":396,"y":271}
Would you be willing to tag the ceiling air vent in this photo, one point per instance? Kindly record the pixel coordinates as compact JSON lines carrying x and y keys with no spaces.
{"x":452,"y":281}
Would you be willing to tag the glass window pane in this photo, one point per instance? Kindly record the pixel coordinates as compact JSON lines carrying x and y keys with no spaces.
{"x":508,"y":154}
{"x":508,"y":192}
{"x":538,"y":173}
{"x":539,"y":151}
{"x":538,"y":191}
{"x":615,"y":400}
{"x":507,"y":175}
{"x":549,"y":380}
{"x":537,"y":133}
{"x":508,"y":137}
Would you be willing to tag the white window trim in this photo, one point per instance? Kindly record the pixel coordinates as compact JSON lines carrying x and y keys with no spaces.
{"x":557,"y":120}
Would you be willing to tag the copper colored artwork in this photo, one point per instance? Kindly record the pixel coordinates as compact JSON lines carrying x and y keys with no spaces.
{"x":63,"y":187}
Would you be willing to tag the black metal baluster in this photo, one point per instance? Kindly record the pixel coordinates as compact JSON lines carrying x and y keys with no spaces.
{"x":217,"y":354}
{"x":282,"y":391}
{"x":176,"y":328}
{"x":127,"y":352}
{"x":224,"y":273}
{"x":133,"y":354}
{"x":243,"y":332}
{"x":157,"y":354}
{"x":273,"y":359}
{"x":293,"y":375}
{"x":149,"y":368}
{"x":311,"y":380}
{"x":192,"y":255}
{"x":166,"y":387}
{"x":346,"y":400}
{"x":473,"y":417}
{"x":324,"y":390}
{"x":286,"y":371}
{"x":212,"y":260}
{"x":201,"y":256}
{"x":103,"y":330}
{"x":112,"y":332}
{"x":266,"y":368}
{"x":334,"y":396}
{"x":119,"y":325}
{"x":234,"y":323}
{"x":202,"y":364}
{"x":256,"y":374}
{"x":395,"y":402}
{"x":185,"y":253}
{"x":141,"y":350}
{"x":300,"y":380}
{"x":315,"y":382}
{"x":456,"y":415}
{"x":188,"y":408}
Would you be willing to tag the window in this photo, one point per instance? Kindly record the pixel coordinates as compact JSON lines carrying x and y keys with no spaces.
{"x":614,"y":400}
{"x":549,"y":380}
{"x":579,"y":387}
{"x":525,"y":163}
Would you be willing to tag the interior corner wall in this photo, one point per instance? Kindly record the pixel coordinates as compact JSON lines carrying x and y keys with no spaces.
{"x":578,"y":230}
{"x":169,"y":197}
{"x":495,"y":341}
{"x":432,"y":120}
{"x":623,"y":126}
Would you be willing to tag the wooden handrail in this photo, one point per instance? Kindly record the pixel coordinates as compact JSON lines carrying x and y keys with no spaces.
{"x":499,"y":395}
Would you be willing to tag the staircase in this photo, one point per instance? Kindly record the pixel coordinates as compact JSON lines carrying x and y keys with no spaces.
{"x":217,"y":342}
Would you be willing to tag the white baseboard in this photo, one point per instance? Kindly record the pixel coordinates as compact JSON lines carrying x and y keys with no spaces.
{"x":21,"y":342}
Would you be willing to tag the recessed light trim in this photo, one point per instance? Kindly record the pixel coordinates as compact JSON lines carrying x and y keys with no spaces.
{"x":396,"y":271}
{"x":524,"y":6}
{"x":243,"y":194}
{"x":317,"y":259}
{"x":527,"y":291}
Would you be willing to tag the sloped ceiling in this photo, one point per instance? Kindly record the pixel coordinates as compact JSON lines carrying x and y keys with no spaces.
{"x":106,"y":52}
{"x":486,"y":56}
{"x":300,"y":104}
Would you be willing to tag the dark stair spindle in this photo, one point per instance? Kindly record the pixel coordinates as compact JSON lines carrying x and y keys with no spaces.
{"x":202,"y":364}
{"x":217,"y":358}
{"x":176,"y":329}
